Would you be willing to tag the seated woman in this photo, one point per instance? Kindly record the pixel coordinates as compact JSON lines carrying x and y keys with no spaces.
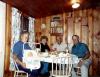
{"x":44,"y":48}
{"x":18,"y":54}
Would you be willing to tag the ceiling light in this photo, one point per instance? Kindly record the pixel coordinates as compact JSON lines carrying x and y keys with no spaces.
{"x":75,"y":5}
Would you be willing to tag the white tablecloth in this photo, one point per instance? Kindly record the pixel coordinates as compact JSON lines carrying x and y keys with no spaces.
{"x":49,"y":59}
{"x":33,"y":62}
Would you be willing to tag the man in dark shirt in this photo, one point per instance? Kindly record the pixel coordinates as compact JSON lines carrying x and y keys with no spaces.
{"x":81,"y":50}
{"x":18,"y":54}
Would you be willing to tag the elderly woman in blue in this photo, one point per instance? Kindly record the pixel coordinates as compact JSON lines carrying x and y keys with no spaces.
{"x":18,"y":54}
{"x":81,"y":50}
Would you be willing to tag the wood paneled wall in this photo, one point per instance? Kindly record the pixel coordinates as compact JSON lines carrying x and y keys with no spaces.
{"x":85,"y":23}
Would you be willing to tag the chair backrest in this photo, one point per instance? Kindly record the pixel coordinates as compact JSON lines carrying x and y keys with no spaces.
{"x":31,"y":59}
{"x":33,"y":45}
{"x":63,"y":66}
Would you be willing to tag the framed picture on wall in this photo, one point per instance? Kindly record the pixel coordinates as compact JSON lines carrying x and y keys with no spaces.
{"x":56,"y":27}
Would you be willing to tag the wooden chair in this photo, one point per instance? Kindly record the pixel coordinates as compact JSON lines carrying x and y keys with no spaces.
{"x":64,"y":69}
{"x":19,"y":73}
{"x":78,"y":71}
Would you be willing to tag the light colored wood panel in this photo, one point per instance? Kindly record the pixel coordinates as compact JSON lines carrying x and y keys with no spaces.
{"x":90,"y":24}
{"x":70,"y":29}
{"x":85,"y":31}
{"x":65,"y":28}
{"x":37,"y":25}
{"x":48,"y":28}
{"x":43,"y":30}
{"x":96,"y":40}
{"x":37,"y":29}
{"x":8,"y":37}
{"x":84,"y":13}
{"x":78,"y":26}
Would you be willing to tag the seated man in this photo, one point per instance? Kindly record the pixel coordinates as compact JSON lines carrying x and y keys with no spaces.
{"x":81,"y":50}
{"x":59,"y":45}
{"x":18,"y":54}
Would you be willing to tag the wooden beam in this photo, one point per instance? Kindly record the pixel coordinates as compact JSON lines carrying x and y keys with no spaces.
{"x":90,"y":24}
{"x":8,"y":37}
{"x":48,"y":29}
{"x":64,"y":28}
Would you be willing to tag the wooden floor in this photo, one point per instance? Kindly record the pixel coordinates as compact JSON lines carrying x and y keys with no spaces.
{"x":11,"y":74}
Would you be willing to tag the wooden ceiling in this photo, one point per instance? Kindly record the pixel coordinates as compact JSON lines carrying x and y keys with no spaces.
{"x":42,"y":8}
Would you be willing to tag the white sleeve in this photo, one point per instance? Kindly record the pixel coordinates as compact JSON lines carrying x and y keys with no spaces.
{"x":65,"y":46}
{"x":54,"y":46}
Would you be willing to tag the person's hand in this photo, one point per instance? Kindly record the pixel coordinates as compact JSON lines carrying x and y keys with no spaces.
{"x":23,"y":65}
{"x":80,"y":63}
{"x":54,"y":49}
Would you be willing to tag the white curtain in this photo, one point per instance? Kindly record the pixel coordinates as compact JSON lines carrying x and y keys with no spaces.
{"x":16,"y":23}
{"x":31,"y":31}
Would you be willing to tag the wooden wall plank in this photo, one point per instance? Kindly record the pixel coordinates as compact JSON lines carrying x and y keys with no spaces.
{"x":8,"y":37}
{"x":96,"y":23}
{"x":96,"y":40}
{"x":65,"y":28}
{"x":85,"y":27}
{"x":37,"y":29}
{"x":77,"y":24}
{"x":70,"y":29}
{"x":48,"y":29}
{"x":85,"y":31}
{"x":90,"y":24}
{"x":43,"y":30}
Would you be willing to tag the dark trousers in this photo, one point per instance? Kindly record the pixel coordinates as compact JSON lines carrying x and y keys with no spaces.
{"x":44,"y":67}
{"x":44,"y":72}
{"x":33,"y":73}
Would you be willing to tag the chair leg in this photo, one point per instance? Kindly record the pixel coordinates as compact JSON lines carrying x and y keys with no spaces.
{"x":14,"y":73}
{"x":78,"y":72}
{"x":27,"y":74}
{"x":19,"y":74}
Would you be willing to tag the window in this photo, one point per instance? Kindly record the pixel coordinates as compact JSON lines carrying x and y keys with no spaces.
{"x":24,"y":23}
